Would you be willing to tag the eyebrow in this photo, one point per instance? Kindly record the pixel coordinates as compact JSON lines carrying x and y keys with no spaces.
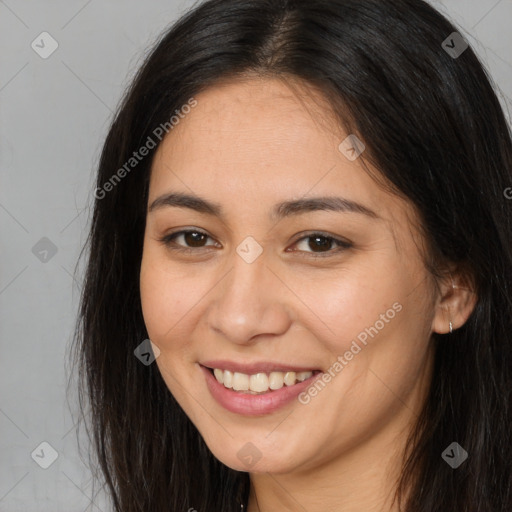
{"x":280,"y":210}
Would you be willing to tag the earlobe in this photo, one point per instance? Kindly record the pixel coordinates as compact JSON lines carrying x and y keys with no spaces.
{"x":456,"y":302}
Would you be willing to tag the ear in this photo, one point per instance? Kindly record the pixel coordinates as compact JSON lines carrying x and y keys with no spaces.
{"x":454,"y":303}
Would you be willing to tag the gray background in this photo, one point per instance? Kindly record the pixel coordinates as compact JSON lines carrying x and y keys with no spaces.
{"x":54,"y":114}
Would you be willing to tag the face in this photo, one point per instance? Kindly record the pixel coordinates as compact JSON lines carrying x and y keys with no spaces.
{"x":290,"y":268}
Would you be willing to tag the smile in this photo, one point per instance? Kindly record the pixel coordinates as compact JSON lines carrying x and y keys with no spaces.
{"x":259,"y":382}
{"x":257,"y":393}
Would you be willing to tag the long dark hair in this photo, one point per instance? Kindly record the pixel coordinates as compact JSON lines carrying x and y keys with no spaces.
{"x":432,"y":125}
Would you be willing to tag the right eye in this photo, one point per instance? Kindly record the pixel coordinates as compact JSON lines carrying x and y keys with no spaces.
{"x":193,"y":238}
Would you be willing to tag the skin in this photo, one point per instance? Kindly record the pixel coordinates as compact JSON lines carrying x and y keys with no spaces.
{"x":248,"y":144}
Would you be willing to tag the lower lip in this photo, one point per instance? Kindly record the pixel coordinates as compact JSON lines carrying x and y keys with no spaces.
{"x":254,"y":405}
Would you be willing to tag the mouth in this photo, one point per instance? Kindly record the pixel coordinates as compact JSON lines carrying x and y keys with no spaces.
{"x":259,"y":383}
{"x":256,"y":393}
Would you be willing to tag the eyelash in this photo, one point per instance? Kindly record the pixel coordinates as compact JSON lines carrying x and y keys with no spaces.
{"x":168,"y":241}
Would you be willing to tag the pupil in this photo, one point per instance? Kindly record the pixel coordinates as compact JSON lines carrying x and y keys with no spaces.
{"x":194,"y":238}
{"x":326,"y":242}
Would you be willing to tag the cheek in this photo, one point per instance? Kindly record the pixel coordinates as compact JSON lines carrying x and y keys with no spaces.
{"x":372,"y":316}
{"x":166,"y":297}
{"x":168,"y":300}
{"x":335,"y":305}
{"x":344,"y":303}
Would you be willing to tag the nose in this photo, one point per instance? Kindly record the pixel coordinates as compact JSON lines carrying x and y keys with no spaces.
{"x":250,"y":303}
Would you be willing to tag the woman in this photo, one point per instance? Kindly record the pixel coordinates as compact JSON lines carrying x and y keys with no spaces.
{"x":301,"y":204}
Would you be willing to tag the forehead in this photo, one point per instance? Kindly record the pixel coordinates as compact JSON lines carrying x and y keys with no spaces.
{"x":257,"y":122}
{"x":258,"y":142}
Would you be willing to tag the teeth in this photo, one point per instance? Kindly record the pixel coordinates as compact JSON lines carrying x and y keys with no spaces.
{"x":276,"y":380}
{"x":301,"y":376}
{"x":219,"y":375}
{"x":259,"y":382}
{"x":240,"y":381}
{"x":226,"y":379}
{"x":289,"y":378}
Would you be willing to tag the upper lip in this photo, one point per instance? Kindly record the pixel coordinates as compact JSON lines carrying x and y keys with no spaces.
{"x":253,"y":368}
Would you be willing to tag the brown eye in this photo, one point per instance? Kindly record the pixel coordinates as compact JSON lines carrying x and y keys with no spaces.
{"x":194,"y":238}
{"x":320,"y":242}
{"x":318,"y":245}
{"x":189,"y":240}
{"x":322,"y":245}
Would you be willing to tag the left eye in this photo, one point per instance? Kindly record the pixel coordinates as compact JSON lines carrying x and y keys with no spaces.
{"x":322,"y":243}
{"x":318,"y":242}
